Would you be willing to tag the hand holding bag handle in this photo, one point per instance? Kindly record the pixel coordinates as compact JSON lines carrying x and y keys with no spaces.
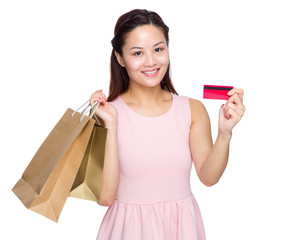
{"x":89,"y":107}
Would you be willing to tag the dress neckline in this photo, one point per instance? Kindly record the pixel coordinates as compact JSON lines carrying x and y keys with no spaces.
{"x":162,"y":115}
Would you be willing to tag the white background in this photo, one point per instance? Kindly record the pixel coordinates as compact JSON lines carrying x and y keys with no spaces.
{"x":54,"y":54}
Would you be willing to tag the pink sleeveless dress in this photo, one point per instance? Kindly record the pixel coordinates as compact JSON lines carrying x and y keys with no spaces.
{"x":154,"y":199}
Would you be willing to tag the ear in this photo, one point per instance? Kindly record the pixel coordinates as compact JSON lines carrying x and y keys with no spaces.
{"x":119,"y":59}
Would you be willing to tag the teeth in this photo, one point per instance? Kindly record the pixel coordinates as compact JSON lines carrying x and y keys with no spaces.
{"x":151,"y":72}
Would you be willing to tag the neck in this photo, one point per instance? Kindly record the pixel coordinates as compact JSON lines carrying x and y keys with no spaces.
{"x":145,"y":95}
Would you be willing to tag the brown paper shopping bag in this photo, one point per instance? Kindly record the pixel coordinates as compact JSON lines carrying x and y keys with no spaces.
{"x":47,"y":180}
{"x":88,"y":180}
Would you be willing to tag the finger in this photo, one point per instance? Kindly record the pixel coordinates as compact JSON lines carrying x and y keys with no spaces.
{"x":104,"y":96}
{"x":99,"y":95}
{"x":235,"y":107}
{"x":222,"y":110}
{"x":232,"y":114}
{"x":99,"y":99}
{"x":93,"y":100}
{"x":97,"y":92}
{"x":238,"y":91}
{"x":237,"y":101}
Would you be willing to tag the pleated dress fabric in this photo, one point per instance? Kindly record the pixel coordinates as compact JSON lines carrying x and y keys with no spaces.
{"x":154,"y":199}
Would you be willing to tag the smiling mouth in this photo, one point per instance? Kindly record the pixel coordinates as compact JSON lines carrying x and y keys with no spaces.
{"x":151,"y":73}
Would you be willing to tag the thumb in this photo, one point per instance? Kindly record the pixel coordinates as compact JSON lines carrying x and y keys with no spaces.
{"x":221,"y":112}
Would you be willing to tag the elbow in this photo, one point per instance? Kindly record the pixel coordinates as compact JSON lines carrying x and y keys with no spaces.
{"x":209,"y":183}
{"x":106,"y":202}
{"x":107,"y":198}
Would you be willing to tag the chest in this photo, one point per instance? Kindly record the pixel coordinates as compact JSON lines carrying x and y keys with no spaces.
{"x":152,"y":146}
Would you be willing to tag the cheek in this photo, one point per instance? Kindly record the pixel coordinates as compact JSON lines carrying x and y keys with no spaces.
{"x":133,"y":65}
{"x":164,"y":59}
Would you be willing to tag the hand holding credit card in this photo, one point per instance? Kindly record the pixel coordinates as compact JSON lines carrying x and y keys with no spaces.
{"x":216,"y":92}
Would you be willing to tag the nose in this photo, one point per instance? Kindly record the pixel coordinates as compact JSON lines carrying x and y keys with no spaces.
{"x":150,"y":60}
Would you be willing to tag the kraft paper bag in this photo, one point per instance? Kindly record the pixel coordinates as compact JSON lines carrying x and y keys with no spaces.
{"x":47,"y":180}
{"x":88,"y":180}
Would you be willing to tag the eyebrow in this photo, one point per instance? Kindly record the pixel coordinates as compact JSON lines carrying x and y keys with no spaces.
{"x":142,"y":47}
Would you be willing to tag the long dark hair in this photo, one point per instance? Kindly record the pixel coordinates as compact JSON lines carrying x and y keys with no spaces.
{"x":119,"y":80}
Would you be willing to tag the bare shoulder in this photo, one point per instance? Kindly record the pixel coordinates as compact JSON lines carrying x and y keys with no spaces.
{"x":198,"y":111}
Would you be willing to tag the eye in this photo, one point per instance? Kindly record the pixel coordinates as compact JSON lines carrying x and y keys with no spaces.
{"x":138,"y":53}
{"x":158,"y":49}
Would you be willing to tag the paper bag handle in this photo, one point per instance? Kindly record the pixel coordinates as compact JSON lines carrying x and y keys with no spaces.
{"x":88,"y":108}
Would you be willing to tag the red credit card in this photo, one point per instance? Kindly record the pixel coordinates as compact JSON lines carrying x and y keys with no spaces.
{"x":216,"y":92}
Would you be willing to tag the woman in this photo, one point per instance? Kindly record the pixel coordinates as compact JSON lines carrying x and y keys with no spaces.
{"x":153,"y":136}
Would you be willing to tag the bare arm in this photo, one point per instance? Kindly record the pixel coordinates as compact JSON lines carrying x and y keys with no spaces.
{"x":201,"y":145}
{"x":211,"y":159}
{"x":108,"y":115}
{"x":110,"y":178}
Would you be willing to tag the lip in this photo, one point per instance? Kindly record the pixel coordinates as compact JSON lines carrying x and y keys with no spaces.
{"x":151,"y":73}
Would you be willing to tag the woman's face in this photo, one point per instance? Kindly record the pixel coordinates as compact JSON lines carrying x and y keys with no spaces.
{"x":145,"y":55}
